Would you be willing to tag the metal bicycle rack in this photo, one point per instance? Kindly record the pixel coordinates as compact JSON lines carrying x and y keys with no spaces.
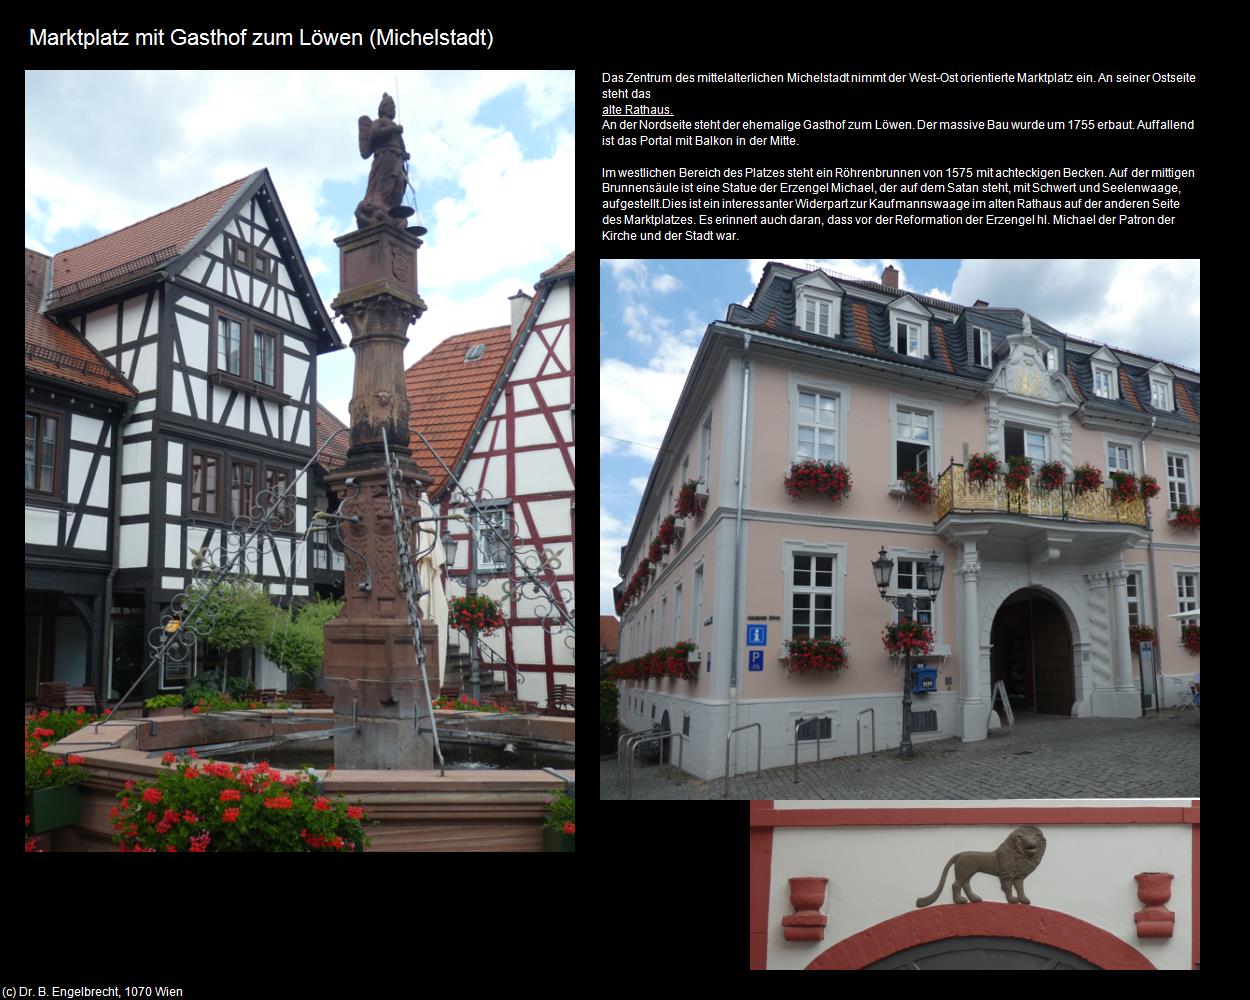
{"x":759,"y":750}
{"x":622,"y":756}
{"x":797,"y":723}
{"x":636,"y":743}
{"x":872,"y":718}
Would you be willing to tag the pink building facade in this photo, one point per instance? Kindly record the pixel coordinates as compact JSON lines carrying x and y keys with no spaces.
{"x":1040,"y":589}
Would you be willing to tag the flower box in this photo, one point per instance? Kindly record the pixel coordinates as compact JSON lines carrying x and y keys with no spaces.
{"x":807,"y":655}
{"x":981,"y":468}
{"x":161,"y":713}
{"x":679,"y":528}
{"x":810,"y":477}
{"x":691,"y":500}
{"x":1184,"y":517}
{"x":1085,"y":479}
{"x":919,"y":487}
{"x":52,"y":808}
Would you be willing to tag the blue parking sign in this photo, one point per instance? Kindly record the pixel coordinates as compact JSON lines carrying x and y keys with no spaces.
{"x":757,"y":635}
{"x":757,"y":659}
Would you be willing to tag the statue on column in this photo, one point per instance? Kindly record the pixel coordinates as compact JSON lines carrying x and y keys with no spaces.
{"x":383,"y":140}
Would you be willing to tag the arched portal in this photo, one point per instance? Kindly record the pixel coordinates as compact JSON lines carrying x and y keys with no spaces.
{"x":1032,"y":653}
{"x":985,"y":933}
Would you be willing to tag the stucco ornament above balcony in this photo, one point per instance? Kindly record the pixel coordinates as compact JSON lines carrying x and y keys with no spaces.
{"x":1023,"y":372}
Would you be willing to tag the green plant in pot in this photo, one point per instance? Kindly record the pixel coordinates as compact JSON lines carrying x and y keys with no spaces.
{"x":559,"y":829}
{"x":164,"y":704}
{"x":52,"y":786}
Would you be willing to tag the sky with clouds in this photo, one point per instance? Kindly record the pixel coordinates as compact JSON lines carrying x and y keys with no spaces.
{"x":492,"y":163}
{"x":653,"y":314}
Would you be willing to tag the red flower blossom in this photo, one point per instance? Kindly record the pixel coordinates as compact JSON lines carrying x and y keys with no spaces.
{"x":195,"y":710}
{"x":322,"y":804}
{"x":152,"y":795}
{"x":192,"y":753}
{"x":230,"y":795}
{"x":75,"y":759}
{"x":190,"y":817}
{"x":171,"y":816}
{"x":569,"y":828}
{"x":150,"y":817}
{"x":79,"y":710}
{"x":355,"y":812}
{"x":281,"y":802}
{"x":230,"y":815}
{"x":129,"y":786}
{"x":168,"y":758}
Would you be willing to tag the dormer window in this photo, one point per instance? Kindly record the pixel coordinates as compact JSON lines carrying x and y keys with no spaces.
{"x":475,"y":352}
{"x":817,"y":303}
{"x":1160,"y":394}
{"x":981,"y":347}
{"x":908,"y":339}
{"x":1052,"y":360}
{"x":1104,"y":383}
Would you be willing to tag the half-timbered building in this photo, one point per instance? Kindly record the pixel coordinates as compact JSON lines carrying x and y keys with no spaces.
{"x":497,"y":408}
{"x":209,"y":312}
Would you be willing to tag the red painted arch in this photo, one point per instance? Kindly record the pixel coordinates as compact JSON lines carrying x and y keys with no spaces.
{"x":936,"y":923}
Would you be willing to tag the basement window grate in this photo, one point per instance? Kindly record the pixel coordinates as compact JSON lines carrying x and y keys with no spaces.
{"x":924,"y":722}
{"x":808,"y":730}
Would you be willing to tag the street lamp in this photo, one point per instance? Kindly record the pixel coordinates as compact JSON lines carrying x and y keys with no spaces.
{"x":883,"y":569}
{"x":449,"y":548}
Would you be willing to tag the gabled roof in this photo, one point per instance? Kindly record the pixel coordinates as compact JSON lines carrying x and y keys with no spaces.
{"x":335,"y":454}
{"x":141,"y":247}
{"x":447,"y":396}
{"x":560,"y":270}
{"x":170,"y":240}
{"x":55,"y":352}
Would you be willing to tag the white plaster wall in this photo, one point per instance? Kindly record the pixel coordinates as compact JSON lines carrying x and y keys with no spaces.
{"x":85,"y":429}
{"x":564,"y":424}
{"x":293,"y":375}
{"x":99,"y":496}
{"x":145,"y":370}
{"x":134,"y":499}
{"x":531,"y":359}
{"x":172,"y":582}
{"x":523,"y":398}
{"x":551,"y":518}
{"x":132,"y":322}
{"x":173,"y":546}
{"x":533,"y":430}
{"x":196,"y":270}
{"x":557,"y":305}
{"x":101,"y":328}
{"x":295,"y":344}
{"x":173,"y":455}
{"x":133,"y":548}
{"x":235,"y":419}
{"x":560,"y":347}
{"x":541,"y":472}
{"x":298,"y":316}
{"x":284,"y":279}
{"x":180,"y":396}
{"x":877,"y":873}
{"x":93,"y":533}
{"x":173,"y":499}
{"x":137,"y":426}
{"x":496,"y":478}
{"x":41,"y":526}
{"x":527,"y":644}
{"x":199,"y":392}
{"x":194,"y":336}
{"x":555,"y":391}
{"x":136,"y":458}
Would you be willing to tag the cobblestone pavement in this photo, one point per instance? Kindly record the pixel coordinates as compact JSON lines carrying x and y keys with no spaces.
{"x":1046,"y":757}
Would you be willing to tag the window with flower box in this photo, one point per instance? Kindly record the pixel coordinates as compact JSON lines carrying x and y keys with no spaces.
{"x":814,"y":599}
{"x":1186,"y":595}
{"x":705,"y":445}
{"x":1133,"y":585}
{"x":1030,"y":444}
{"x":909,"y":576}
{"x":816,"y":430}
{"x":696,"y":623}
{"x":1119,"y":457}
{"x":246,"y":354}
{"x":913,"y":441}
{"x":677,"y":612}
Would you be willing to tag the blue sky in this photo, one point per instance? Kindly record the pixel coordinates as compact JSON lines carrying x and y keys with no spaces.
{"x":492,"y":161}
{"x":653,"y":314}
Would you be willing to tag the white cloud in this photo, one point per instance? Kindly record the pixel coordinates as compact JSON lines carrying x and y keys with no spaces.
{"x":613,"y":533}
{"x":639,"y":483}
{"x":1150,"y":306}
{"x":663,"y":283}
{"x":862,"y":269}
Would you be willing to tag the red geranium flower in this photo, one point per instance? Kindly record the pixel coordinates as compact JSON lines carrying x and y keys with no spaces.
{"x":281,"y":802}
{"x":152,"y":795}
{"x":230,"y":795}
{"x":230,"y":815}
{"x":353,"y":812}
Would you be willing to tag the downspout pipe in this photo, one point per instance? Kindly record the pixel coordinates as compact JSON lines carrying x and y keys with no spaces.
{"x":1150,"y":572}
{"x":106,"y":645}
{"x":742,"y":454}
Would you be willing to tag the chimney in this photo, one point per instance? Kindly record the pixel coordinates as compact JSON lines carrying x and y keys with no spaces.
{"x":979,"y":303}
{"x":889,"y":277}
{"x":520,"y":302}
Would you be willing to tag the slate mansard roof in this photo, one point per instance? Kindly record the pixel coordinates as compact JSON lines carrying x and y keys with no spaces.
{"x":865,"y":332}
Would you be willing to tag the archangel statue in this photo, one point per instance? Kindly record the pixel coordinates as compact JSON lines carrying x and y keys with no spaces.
{"x":383,"y":140}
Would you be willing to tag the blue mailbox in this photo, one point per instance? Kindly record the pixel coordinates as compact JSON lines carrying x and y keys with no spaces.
{"x":923,"y":679}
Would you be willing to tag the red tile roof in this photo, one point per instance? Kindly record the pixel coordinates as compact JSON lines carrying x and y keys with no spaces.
{"x":863,"y":335}
{"x":1126,"y":389}
{"x":55,"y":351}
{"x":175,"y":228}
{"x":1184,"y":403}
{"x":609,"y":633}
{"x":336,"y":454}
{"x":1075,"y":383}
{"x":941,"y":342}
{"x":559,"y":270}
{"x":448,"y":394}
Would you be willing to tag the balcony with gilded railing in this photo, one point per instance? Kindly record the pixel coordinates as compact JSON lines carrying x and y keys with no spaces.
{"x":957,"y":493}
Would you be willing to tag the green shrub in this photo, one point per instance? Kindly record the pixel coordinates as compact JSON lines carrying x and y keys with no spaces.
{"x":609,"y":697}
{"x":163,"y":701}
{"x":297,"y":644}
{"x":560,"y":810}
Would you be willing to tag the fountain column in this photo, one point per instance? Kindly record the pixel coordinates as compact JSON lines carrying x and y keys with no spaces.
{"x":370,"y":666}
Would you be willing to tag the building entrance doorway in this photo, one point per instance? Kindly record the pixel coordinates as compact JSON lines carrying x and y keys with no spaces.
{"x":1032,"y":654}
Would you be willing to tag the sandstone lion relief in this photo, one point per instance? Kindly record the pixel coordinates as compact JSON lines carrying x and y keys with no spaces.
{"x":1013,"y":861}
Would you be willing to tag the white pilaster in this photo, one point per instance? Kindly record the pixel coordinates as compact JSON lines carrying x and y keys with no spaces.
{"x":973,"y":710}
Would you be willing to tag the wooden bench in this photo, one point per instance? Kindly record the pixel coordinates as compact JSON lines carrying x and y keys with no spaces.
{"x":563,"y":699}
{"x":58,"y":696}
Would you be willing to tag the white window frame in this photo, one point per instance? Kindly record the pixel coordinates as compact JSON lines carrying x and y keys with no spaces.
{"x":1052,"y":359}
{"x":1157,"y":384}
{"x":1134,"y":581}
{"x":917,"y":555}
{"x":913,"y":327}
{"x":663,"y":614}
{"x":1187,"y":479}
{"x":1111,"y":380}
{"x":483,"y":539}
{"x":935,"y":419}
{"x":677,"y":595}
{"x":1181,"y":598}
{"x":811,"y":297}
{"x":982,"y":344}
{"x":685,"y":468}
{"x":705,"y":444}
{"x":789,"y":549}
{"x":1011,"y":422}
{"x":837,"y":391}
{"x":696,"y":607}
{"x":1108,"y":443}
